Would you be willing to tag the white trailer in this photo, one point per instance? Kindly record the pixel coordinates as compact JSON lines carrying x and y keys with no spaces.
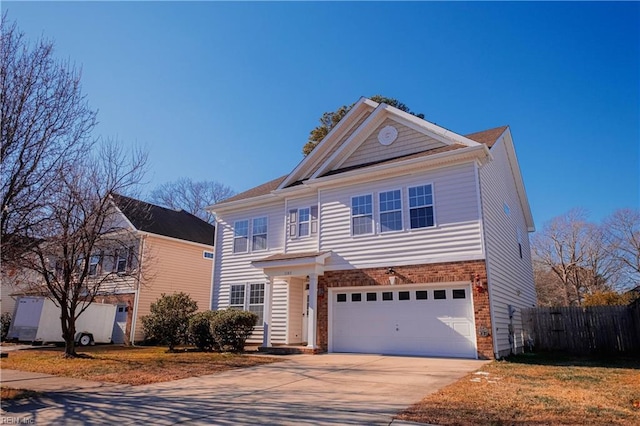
{"x":37,"y":320}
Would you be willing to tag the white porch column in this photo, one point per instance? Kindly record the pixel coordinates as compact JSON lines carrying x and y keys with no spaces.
{"x":266,"y":337}
{"x":313,"y":311}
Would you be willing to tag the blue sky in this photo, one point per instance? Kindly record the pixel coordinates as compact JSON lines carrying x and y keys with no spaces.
{"x":230,"y":91}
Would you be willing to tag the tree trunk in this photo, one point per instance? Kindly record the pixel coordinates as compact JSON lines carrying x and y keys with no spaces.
{"x":68,"y":333}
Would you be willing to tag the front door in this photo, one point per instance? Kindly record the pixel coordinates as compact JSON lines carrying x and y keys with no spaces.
{"x":305,"y":312}
{"x":120,"y":325}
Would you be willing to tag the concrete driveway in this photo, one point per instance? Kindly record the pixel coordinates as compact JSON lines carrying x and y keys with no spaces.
{"x":304,"y":389}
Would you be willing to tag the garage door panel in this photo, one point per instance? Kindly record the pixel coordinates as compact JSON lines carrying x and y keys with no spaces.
{"x":437,"y":327}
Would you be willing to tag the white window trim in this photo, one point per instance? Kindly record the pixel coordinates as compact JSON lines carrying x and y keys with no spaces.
{"x":378,"y":225}
{"x":236,"y":237}
{"x":266,"y":234}
{"x":433,"y":204}
{"x":308,"y":222}
{"x":247,"y":299}
{"x":373,"y":215}
{"x":293,"y":222}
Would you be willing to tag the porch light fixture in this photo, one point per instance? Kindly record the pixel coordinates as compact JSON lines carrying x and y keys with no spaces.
{"x":392,"y":276}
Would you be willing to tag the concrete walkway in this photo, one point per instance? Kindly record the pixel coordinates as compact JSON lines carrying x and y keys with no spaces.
{"x":305,"y":389}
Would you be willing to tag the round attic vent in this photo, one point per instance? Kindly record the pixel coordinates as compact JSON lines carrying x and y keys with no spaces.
{"x":387,"y":135}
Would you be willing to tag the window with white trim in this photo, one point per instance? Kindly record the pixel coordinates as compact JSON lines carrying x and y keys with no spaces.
{"x":259,"y":234}
{"x":390,"y":211}
{"x":303,"y":222}
{"x":421,"y":206}
{"x":122,"y":257}
{"x":252,"y":300}
{"x":241,"y":236}
{"x":94,"y":262}
{"x":362,"y":215}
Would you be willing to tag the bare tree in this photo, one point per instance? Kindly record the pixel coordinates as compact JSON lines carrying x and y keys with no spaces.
{"x":191,"y":196}
{"x":81,"y":230}
{"x":622,"y":232}
{"x":45,"y":127}
{"x":574,"y":250}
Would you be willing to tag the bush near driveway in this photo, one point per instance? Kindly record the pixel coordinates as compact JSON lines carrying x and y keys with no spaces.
{"x":200,"y":330}
{"x":535,"y":389}
{"x":231,"y":329}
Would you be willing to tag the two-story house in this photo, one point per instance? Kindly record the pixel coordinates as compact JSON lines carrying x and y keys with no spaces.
{"x":393,"y":236}
{"x":147,"y":250}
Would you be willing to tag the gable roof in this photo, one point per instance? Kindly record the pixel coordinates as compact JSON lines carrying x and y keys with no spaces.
{"x":487,"y":137}
{"x":163,"y":221}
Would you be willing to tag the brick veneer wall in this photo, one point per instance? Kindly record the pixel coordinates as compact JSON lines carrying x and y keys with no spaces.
{"x":414,"y":274}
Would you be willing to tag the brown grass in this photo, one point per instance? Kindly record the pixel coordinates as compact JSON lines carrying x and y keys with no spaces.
{"x":129,"y":365}
{"x":533,"y":390}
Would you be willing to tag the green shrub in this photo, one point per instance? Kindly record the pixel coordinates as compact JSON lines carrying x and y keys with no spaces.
{"x":231,"y":329}
{"x":5,"y":323}
{"x":200,"y":330}
{"x":168,"y":322}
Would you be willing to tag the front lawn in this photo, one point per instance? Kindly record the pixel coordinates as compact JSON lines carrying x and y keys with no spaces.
{"x":533,"y":389}
{"x":128,"y":365}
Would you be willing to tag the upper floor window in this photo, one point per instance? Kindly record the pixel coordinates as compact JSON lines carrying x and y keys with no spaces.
{"x":259,"y":234}
{"x":390,"y":211}
{"x":122,"y":257}
{"x":362,"y":214}
{"x":240,"y":236}
{"x":303,"y":222}
{"x":421,"y":206}
{"x":94,"y":262}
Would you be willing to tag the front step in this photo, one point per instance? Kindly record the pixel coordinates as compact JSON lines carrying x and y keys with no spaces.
{"x":288,"y":350}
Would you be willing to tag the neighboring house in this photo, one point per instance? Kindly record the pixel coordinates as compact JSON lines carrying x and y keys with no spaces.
{"x":393,"y":236}
{"x":160,"y":250}
{"x":177,"y":256}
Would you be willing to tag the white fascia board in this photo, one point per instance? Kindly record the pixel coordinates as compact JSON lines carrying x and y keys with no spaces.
{"x":447,"y":136}
{"x":303,"y":261}
{"x":316,"y":155}
{"x":349,"y":146}
{"x":517,"y":174}
{"x":133,"y":228}
{"x":246,"y":202}
{"x":476,"y":153}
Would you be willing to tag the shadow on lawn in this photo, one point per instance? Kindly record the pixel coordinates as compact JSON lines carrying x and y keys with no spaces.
{"x":566,"y":359}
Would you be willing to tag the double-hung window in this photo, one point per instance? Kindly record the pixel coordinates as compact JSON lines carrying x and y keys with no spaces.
{"x":94,"y":262}
{"x":304,"y":222}
{"x":241,"y":236}
{"x":421,"y":206}
{"x":362,"y":214}
{"x":259,"y":234}
{"x":390,"y":211}
{"x":248,"y":297}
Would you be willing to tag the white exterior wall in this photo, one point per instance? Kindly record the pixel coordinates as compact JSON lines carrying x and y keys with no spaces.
{"x":456,"y":236}
{"x":300,"y":244}
{"x":235,"y":268}
{"x":510,"y":277}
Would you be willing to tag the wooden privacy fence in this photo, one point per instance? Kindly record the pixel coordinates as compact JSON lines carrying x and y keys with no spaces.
{"x":590,"y":330}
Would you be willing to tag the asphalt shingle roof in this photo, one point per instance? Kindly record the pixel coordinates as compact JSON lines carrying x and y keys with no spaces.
{"x":163,"y":221}
{"x":487,"y":137}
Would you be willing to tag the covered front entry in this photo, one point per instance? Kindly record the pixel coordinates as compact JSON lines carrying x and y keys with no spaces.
{"x":301,"y":270}
{"x":426,"y":320}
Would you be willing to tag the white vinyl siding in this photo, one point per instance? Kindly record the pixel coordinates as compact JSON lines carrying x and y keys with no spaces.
{"x":510,"y":276}
{"x":408,"y":142}
{"x":297,"y":209}
{"x":456,"y":236}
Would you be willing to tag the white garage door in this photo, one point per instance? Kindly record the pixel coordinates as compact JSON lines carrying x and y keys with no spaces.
{"x":416,"y":320}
